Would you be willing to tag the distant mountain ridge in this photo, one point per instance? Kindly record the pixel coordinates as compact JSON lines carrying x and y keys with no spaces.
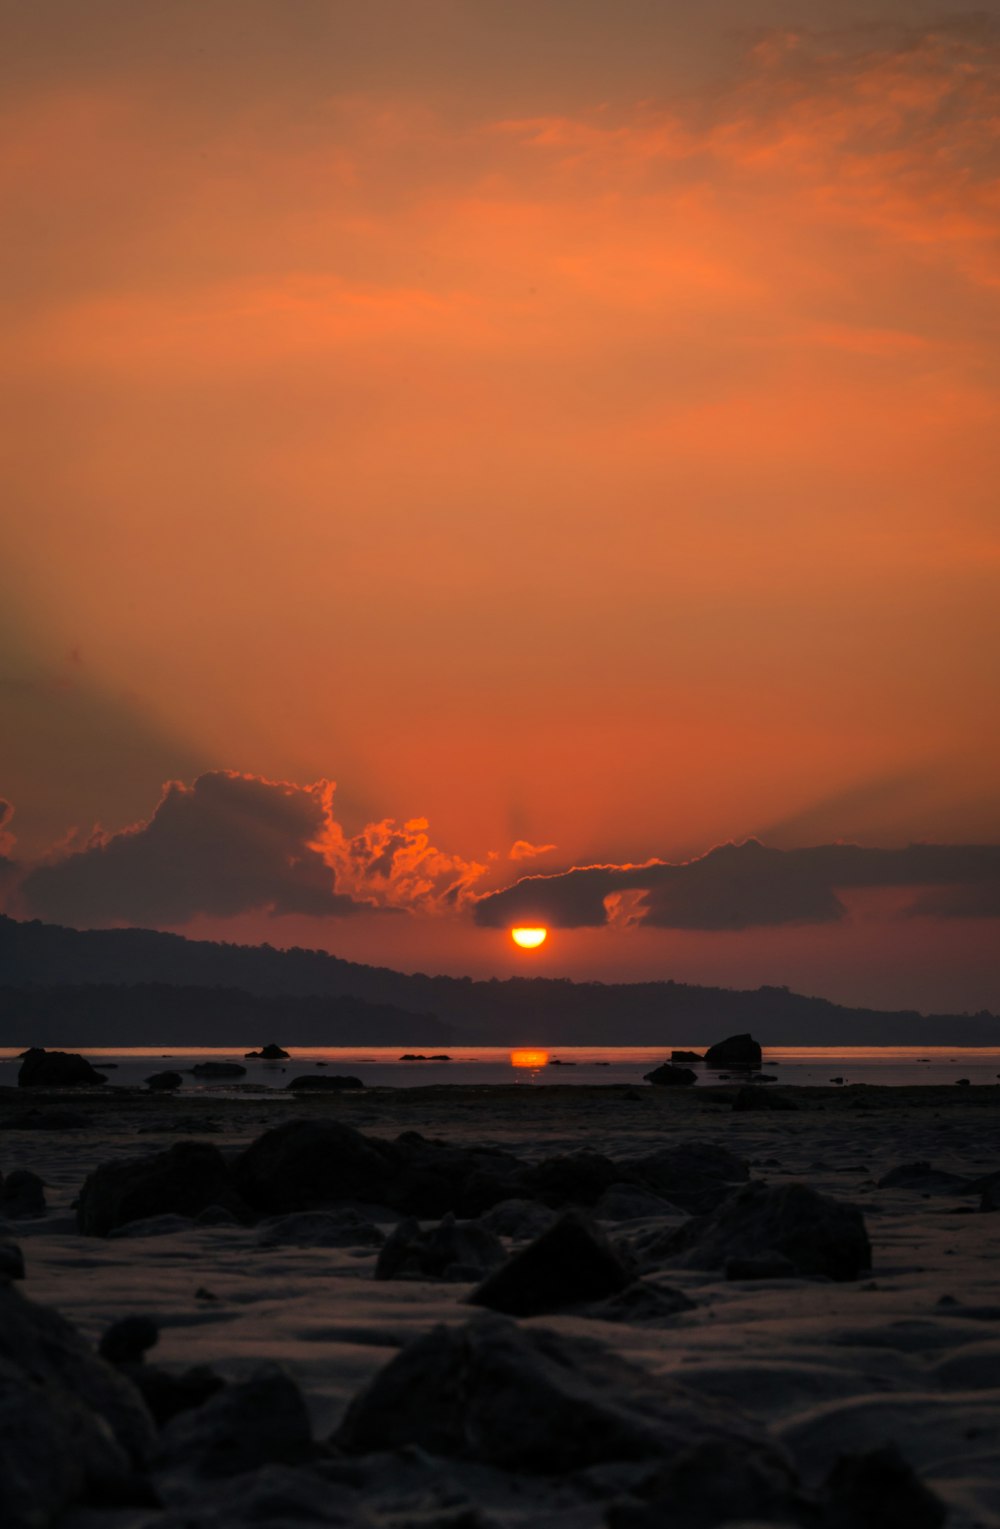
{"x":533,"y":1010}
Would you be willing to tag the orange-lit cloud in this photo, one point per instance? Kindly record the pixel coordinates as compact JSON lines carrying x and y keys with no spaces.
{"x":523,"y":849}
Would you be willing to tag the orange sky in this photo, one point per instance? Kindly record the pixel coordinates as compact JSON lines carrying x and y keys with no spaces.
{"x":565,"y":422}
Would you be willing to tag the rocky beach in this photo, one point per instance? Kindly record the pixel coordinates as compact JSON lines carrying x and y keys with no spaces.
{"x":431,"y":1308}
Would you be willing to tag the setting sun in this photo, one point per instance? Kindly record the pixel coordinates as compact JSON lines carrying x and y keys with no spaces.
{"x":529,"y":1056}
{"x":529,"y":939}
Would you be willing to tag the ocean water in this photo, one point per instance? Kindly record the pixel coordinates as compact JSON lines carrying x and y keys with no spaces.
{"x":382,"y":1067}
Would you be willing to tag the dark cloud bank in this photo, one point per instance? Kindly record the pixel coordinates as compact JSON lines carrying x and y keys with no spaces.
{"x":745,"y":886}
{"x":231,"y":844}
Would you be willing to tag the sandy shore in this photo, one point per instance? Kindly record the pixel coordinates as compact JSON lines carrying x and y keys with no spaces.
{"x":909,"y":1353}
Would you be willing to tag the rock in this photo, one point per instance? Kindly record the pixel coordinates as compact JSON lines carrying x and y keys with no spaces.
{"x":963,"y":1082}
{"x":817,"y":1234}
{"x":128,"y":1340}
{"x":250,"y":1423}
{"x":838,"y":1080}
{"x":528,"y":1399}
{"x":181,"y":1181}
{"x":279,"y":1497}
{"x":164,"y":1082}
{"x":270,"y":1053}
{"x":879,"y":1490}
{"x":11,"y":1261}
{"x":167,"y":1394}
{"x":56,"y":1069}
{"x":343,"y":1228}
{"x":686,"y":1058}
{"x":413,"y":1056}
{"x":70,"y":1424}
{"x":218,"y":1070}
{"x":305,"y":1163}
{"x":519,"y":1218}
{"x":715,"y":1483}
{"x":440,"y":1056}
{"x":22,"y":1194}
{"x":925,"y":1179}
{"x":695,"y":1175}
{"x":768,"y":1266}
{"x":334,"y":1084}
{"x":451,"y":1250}
{"x":569,"y":1264}
{"x":153,"y":1226}
{"x":642,"y":1302}
{"x":579,"y":1178}
{"x":669,"y":1076}
{"x":752,"y":1099}
{"x":737,"y":1051}
{"x":630,"y":1202}
{"x":215,"y":1215}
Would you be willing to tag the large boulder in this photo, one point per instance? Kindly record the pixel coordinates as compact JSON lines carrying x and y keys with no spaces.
{"x":182,"y":1181}
{"x":57,"y":1069}
{"x":453,"y":1250}
{"x":816,"y":1234}
{"x":218,"y":1070}
{"x":22,"y":1194}
{"x":253,"y":1422}
{"x":715,"y":1483}
{"x":571,"y":1263}
{"x":531,"y":1400}
{"x":269,"y":1053}
{"x":164,"y":1082}
{"x":579,"y":1178}
{"x":694,"y":1175}
{"x":737,"y":1051}
{"x":307,"y":1163}
{"x":669,"y":1076}
{"x":69,"y":1424}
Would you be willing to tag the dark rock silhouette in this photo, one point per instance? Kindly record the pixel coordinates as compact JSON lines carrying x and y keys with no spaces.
{"x":11,"y":1260}
{"x":570,"y":1263}
{"x":879,"y":1490}
{"x":451,"y":1250}
{"x":695,"y":1175}
{"x":668,"y":1076}
{"x":57,"y":1069}
{"x":306,"y":1163}
{"x":22,"y":1194}
{"x":518,"y":1218}
{"x":334,"y":1084}
{"x":340,"y":1228}
{"x":818,"y":1235}
{"x":269,"y":1053}
{"x":642,"y":1302}
{"x":529,"y":1399}
{"x":164,"y":1082}
{"x":129,"y":1340}
{"x":218,"y":1070}
{"x":715,"y":1483}
{"x":579,"y":1178}
{"x":686,"y":1058}
{"x":630,"y":1202}
{"x":244,"y":1425}
{"x":737,"y":1051}
{"x":70,"y":1424}
{"x":182,"y":1181}
{"x":925,"y":1179}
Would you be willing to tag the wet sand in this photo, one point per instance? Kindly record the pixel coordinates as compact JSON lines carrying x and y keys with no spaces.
{"x":909,"y":1353}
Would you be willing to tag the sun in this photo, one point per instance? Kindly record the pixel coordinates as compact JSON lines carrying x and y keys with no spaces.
{"x":529,"y":939}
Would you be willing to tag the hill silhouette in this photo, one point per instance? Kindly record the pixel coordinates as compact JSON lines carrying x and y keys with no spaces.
{"x":539,"y":1010}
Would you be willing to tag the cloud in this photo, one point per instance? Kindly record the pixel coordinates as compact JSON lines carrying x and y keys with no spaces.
{"x":231,"y":844}
{"x":749,"y":885}
{"x":521,"y":849}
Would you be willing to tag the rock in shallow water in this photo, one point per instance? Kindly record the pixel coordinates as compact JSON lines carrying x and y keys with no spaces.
{"x":254,"y":1422}
{"x":736,"y":1051}
{"x":57,"y":1069}
{"x":22,"y":1194}
{"x":669,"y":1076}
